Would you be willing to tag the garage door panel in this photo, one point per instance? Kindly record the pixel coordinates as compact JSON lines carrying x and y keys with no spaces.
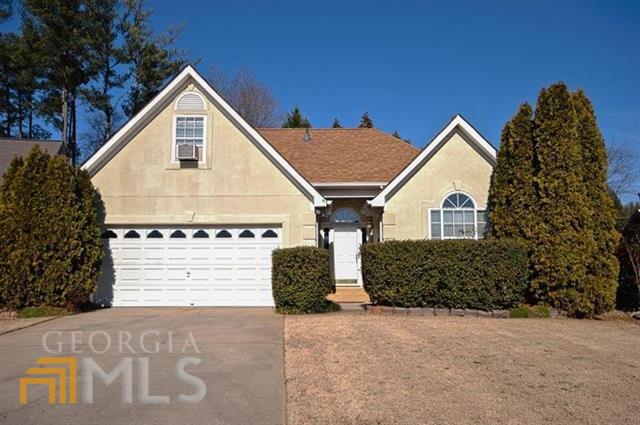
{"x":155,"y":269}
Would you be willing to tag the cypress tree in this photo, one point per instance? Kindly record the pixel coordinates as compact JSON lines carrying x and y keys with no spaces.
{"x":51,"y":247}
{"x":562,"y":242}
{"x":602,"y":268}
{"x":512,"y":198}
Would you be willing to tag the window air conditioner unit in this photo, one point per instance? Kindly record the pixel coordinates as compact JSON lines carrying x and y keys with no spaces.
{"x":187,"y":152}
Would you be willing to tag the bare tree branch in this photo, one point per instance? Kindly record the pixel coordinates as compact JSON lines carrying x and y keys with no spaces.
{"x":251,"y":98}
{"x":624,"y":170}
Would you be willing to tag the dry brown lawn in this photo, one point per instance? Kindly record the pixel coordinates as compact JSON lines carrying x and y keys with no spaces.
{"x":353,"y":368}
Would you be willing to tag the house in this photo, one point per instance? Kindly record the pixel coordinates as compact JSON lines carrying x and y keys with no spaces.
{"x":196,"y":199}
{"x":10,"y":148}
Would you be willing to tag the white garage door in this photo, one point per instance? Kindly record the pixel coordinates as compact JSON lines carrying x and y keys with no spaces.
{"x":188,"y":266}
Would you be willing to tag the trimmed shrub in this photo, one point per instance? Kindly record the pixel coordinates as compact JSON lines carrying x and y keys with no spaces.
{"x":484,"y":275}
{"x":301,"y":280}
{"x":51,"y":248}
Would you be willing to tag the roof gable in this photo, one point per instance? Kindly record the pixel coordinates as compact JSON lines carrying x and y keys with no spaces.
{"x":341,"y":155}
{"x":485,"y":149}
{"x":134,"y":125}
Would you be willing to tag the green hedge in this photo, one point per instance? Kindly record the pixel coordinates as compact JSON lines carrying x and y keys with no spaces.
{"x":51,"y":249}
{"x":301,"y":280}
{"x":483,"y":275}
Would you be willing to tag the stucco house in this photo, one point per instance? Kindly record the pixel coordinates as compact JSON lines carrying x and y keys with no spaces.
{"x":196,"y":199}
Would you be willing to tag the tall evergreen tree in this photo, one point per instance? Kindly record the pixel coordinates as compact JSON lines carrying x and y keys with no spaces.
{"x":602,"y":267}
{"x":7,"y":84}
{"x":562,"y":242}
{"x":295,"y":119}
{"x":365,"y":121}
{"x":19,"y":76}
{"x":107,"y":58}
{"x":511,"y":195}
{"x":152,"y":57}
{"x":51,"y":247}
{"x":64,"y":57}
{"x":336,"y":123}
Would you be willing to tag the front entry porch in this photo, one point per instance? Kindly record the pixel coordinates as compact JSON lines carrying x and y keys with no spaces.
{"x":343,"y":227}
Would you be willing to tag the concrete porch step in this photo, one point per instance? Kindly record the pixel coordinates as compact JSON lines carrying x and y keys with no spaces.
{"x":349,"y":295}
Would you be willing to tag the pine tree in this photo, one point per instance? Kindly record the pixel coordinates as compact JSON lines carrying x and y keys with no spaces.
{"x":562,"y":242}
{"x":602,"y":267}
{"x":63,"y":55}
{"x":365,"y":121}
{"x":336,"y":123}
{"x":295,"y":119}
{"x":107,"y":56}
{"x":152,"y":59}
{"x":511,"y":195}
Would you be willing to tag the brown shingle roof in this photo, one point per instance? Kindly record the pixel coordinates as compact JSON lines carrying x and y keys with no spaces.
{"x":10,"y":148}
{"x":342,"y":154}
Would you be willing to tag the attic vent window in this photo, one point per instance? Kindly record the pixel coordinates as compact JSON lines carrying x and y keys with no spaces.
{"x":190,"y":101}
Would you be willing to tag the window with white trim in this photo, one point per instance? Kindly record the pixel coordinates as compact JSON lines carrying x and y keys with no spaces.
{"x":190,"y":131}
{"x":189,"y":126}
{"x":457,"y":218}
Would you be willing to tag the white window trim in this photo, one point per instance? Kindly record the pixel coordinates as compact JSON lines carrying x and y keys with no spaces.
{"x":174,"y":160}
{"x":441,"y":209}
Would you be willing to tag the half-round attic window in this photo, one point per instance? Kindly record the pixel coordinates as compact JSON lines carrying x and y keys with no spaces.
{"x":190,"y":101}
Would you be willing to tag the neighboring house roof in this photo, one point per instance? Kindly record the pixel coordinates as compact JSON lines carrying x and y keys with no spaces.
{"x":355,"y":155}
{"x":457,"y":122}
{"x":126,"y":132}
{"x":10,"y":148}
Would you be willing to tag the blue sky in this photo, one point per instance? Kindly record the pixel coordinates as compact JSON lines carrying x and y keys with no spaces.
{"x":413,"y":65}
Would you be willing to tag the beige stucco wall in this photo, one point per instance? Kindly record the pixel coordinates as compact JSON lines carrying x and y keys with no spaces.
{"x":237,"y":184}
{"x":456,"y":166}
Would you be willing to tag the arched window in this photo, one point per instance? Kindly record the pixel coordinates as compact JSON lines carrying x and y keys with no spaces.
{"x":247,"y":234}
{"x":178,"y":234}
{"x":269,"y":234}
{"x":109,"y":234}
{"x":345,"y":215}
{"x":132,"y":234}
{"x":223,"y":234}
{"x":190,"y":101}
{"x":457,"y":218}
{"x":154,"y":234}
{"x":201,"y":234}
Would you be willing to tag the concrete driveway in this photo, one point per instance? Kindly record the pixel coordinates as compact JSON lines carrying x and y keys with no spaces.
{"x":241,"y":367}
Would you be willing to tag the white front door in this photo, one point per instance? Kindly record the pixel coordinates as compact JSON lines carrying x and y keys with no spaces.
{"x":345,"y":253}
